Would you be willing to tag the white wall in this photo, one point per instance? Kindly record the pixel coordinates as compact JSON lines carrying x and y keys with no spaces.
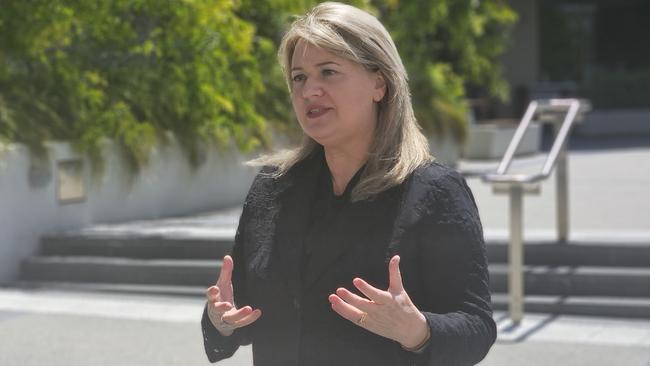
{"x":166,"y":187}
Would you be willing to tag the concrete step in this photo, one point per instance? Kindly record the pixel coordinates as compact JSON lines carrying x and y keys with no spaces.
{"x":121,"y":270}
{"x":580,"y":305}
{"x":539,"y":280}
{"x":120,"y":288}
{"x":585,"y":253}
{"x":129,"y":246}
{"x":576,"y":281}
{"x":580,"y":277}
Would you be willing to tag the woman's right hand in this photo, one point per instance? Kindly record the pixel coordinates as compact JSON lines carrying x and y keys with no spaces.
{"x":221,"y":304}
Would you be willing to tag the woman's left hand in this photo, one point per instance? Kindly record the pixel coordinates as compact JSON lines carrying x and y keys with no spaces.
{"x":390,"y":313}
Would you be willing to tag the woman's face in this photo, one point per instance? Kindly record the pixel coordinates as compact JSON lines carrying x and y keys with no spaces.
{"x":334,"y":99}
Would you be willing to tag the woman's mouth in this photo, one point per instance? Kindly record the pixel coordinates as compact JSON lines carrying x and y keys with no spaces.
{"x":316,"y":112}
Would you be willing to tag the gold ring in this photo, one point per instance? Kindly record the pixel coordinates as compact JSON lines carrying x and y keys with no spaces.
{"x":363,"y":318}
{"x":224,"y":322}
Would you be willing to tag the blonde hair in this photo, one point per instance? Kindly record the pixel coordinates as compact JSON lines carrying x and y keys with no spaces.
{"x":398,"y":146}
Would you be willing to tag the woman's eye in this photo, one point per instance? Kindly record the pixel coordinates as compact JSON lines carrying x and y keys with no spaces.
{"x":298,"y":78}
{"x":328,"y":72}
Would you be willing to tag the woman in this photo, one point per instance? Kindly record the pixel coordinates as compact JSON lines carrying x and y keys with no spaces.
{"x":354,"y":248}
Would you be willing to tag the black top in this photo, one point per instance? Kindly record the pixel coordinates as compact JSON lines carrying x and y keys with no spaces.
{"x":330,"y":215}
{"x":297,"y":242}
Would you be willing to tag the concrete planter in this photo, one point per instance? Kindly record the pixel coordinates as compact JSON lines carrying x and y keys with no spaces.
{"x":617,"y":122}
{"x":490,"y":140}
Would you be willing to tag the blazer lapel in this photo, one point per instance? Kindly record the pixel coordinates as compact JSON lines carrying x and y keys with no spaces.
{"x":293,"y":221}
{"x":259,"y":220}
{"x":412,"y":207}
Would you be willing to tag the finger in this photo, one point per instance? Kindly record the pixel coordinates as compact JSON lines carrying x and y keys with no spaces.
{"x":213,"y":294}
{"x":225,"y":276}
{"x":373,"y":293}
{"x":395,"y":276}
{"x":216,"y":311}
{"x":233,"y":315}
{"x":225,"y":280}
{"x":344,"y":309}
{"x":354,"y":299}
{"x":222,"y":307}
{"x":250,"y":318}
{"x":218,"y":308}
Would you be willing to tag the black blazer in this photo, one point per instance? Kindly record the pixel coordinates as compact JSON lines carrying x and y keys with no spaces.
{"x":434,"y":227}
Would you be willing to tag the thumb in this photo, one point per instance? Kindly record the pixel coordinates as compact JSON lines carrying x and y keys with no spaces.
{"x":395,"y":277}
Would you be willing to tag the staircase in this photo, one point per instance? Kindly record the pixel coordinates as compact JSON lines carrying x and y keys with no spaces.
{"x":580,"y":278}
{"x":155,"y":264}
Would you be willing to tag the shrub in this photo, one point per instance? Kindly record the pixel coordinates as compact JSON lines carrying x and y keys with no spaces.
{"x":205,"y":71}
{"x":129,"y":70}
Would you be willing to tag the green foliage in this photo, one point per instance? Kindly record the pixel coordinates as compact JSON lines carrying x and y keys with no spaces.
{"x":270,"y":18}
{"x":448,"y":46}
{"x":206,"y":71}
{"x":132,"y":71}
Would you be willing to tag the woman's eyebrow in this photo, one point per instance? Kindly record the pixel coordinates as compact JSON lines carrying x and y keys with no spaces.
{"x":327,"y":63}
{"x":318,"y":64}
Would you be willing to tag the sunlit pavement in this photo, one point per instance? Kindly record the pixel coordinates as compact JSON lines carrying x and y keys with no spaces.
{"x":40,"y":327}
{"x":607,"y":190}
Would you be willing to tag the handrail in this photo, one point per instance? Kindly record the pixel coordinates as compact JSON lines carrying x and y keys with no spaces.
{"x":563,"y":133}
{"x":517,"y":186}
{"x":550,"y":105}
{"x":516,"y":139}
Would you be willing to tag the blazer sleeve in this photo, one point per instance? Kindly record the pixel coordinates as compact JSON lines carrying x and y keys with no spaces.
{"x":218,"y":347}
{"x":453,"y":292}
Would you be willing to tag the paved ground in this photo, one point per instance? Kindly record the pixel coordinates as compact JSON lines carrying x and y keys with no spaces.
{"x":608,"y":188}
{"x":610,"y":197}
{"x":67,"y":328}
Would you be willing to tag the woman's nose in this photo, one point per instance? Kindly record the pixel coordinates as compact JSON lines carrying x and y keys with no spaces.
{"x":312,"y":88}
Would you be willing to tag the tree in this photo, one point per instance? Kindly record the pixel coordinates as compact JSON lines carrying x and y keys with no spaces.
{"x":129,"y":70}
{"x":205,"y":71}
{"x":448,"y":46}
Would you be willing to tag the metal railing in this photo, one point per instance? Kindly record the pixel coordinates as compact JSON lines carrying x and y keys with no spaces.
{"x":516,"y":185}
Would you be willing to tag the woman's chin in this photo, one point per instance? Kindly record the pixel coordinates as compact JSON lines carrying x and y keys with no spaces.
{"x":323,"y":137}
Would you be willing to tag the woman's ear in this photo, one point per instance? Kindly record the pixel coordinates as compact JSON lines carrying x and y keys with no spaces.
{"x":380,"y":87}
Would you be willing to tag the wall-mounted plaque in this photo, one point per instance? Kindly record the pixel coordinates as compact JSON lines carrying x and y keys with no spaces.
{"x":70,"y":181}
